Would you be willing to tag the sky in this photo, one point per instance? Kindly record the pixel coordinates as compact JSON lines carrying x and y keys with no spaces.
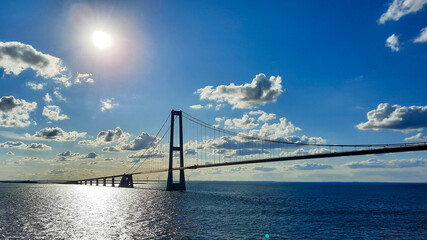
{"x":85,"y":85}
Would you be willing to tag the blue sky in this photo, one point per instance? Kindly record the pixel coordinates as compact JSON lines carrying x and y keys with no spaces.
{"x":332,"y":63}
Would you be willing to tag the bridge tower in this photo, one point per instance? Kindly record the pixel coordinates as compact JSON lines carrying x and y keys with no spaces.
{"x":171,"y":186}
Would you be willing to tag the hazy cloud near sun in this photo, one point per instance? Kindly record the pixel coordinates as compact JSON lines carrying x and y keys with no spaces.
{"x":15,"y":112}
{"x":400,"y":8}
{"x":107,"y":104}
{"x":16,"y":57}
{"x":395,"y":117}
{"x":246,"y":96}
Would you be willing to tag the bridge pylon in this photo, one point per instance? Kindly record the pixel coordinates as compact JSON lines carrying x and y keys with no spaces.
{"x":171,"y":186}
{"x":126,"y":181}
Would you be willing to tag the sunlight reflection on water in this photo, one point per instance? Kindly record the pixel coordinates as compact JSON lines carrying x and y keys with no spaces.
{"x":208,"y":210}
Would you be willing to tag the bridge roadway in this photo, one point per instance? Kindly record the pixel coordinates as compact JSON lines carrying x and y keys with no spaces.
{"x":412,"y":148}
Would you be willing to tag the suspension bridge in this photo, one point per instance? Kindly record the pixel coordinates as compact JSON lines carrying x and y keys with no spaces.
{"x":206,"y":146}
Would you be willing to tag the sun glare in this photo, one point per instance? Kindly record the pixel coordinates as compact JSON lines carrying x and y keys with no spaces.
{"x":101,"y":39}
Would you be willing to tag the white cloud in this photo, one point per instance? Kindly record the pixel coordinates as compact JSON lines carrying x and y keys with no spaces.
{"x":264,"y":116}
{"x":111,"y":149}
{"x":395,"y":117}
{"x":108,"y":137}
{"x":58,"y":95}
{"x":36,"y":86}
{"x":47,"y":98}
{"x":309,"y":166}
{"x":143,"y":141}
{"x":83,"y":77}
{"x":21,"y":145}
{"x":393,"y":43}
{"x":276,"y":130}
{"x":417,"y":137}
{"x":246,"y":96}
{"x":67,"y":156}
{"x":39,"y":147}
{"x":399,"y":163}
{"x":422,"y":37}
{"x":15,"y":112}
{"x":245,"y":122}
{"x":198,"y":106}
{"x":16,"y":57}
{"x":302,"y":151}
{"x":53,"y":113}
{"x":56,"y":134}
{"x":107,"y":104}
{"x":400,"y":8}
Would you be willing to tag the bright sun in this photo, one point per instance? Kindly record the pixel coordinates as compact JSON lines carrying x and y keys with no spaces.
{"x":101,"y":39}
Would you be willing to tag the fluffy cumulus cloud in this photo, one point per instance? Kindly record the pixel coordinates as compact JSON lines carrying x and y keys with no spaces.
{"x":67,"y":156}
{"x":15,"y":112}
{"x":56,"y":134}
{"x":395,"y":117}
{"x":264,"y":117}
{"x":83,"y":78}
{"x":422,"y":37}
{"x":108,"y":137}
{"x":53,"y":113}
{"x":276,"y":130}
{"x":400,"y":8}
{"x":143,"y":141}
{"x":417,"y":137}
{"x":398,"y":163}
{"x":107,"y":104}
{"x":260,"y":91}
{"x":36,"y":86}
{"x":245,"y":122}
{"x":16,"y":57}
{"x":393,"y":43}
{"x":21,"y":145}
{"x":309,"y":166}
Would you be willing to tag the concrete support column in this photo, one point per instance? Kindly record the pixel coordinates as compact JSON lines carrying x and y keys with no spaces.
{"x":91,"y":182}
{"x":104,"y":182}
{"x":97,"y":184}
{"x":112,"y":182}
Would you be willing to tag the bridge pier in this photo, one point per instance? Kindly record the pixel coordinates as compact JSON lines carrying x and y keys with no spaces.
{"x":112,"y":182}
{"x":171,"y":186}
{"x":97,"y":182}
{"x":104,"y":182}
{"x":85,"y":182}
{"x":91,"y":182}
{"x":126,"y":181}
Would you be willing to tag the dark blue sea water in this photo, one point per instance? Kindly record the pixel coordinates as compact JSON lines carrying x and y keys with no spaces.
{"x":215,"y":210}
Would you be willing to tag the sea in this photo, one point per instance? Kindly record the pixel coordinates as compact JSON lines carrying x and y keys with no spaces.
{"x":215,"y":210}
